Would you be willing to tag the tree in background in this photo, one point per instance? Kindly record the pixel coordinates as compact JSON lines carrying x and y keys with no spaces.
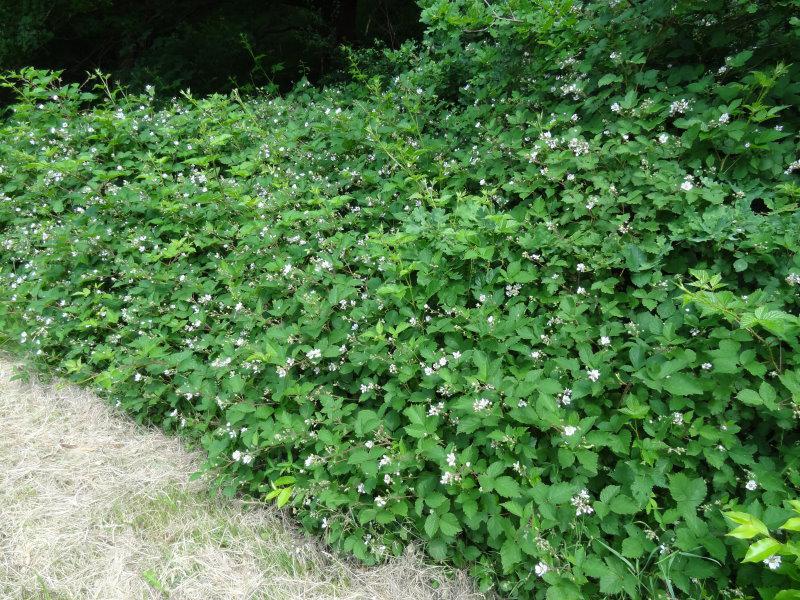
{"x":207,"y":45}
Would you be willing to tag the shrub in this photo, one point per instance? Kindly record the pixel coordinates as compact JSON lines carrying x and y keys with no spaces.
{"x":531,"y":300}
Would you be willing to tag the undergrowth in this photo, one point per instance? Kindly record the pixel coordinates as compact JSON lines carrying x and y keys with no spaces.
{"x":526,"y":291}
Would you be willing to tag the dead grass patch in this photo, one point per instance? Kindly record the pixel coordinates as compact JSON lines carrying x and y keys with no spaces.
{"x":94,"y":507}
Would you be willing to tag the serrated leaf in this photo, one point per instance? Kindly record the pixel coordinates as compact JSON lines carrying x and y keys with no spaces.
{"x":609,"y":492}
{"x":750,"y":397}
{"x":623,"y":505}
{"x":744,"y":532}
{"x":611,"y":582}
{"x":762,"y":549}
{"x":435,"y":500}
{"x":432,"y":524}
{"x":792,"y":524}
{"x":510,"y":554}
{"x":632,"y":547}
{"x":437,"y":549}
{"x":283,"y":496}
{"x":482,"y":363}
{"x":366,"y":421}
{"x":688,"y":493}
{"x":609,"y":78}
{"x":507,"y":487}
{"x":680,"y":384}
{"x":448,"y":524}
{"x":560,"y":493}
{"x":749,"y":526}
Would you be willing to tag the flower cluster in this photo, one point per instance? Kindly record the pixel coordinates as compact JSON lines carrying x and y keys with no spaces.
{"x":582,"y":503}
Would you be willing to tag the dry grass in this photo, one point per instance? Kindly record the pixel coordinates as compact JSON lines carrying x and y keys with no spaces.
{"x":94,"y":507}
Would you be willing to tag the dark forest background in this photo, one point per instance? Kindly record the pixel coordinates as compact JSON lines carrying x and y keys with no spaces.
{"x":204,"y":45}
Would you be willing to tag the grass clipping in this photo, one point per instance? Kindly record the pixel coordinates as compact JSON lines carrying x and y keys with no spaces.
{"x":92,"y":506}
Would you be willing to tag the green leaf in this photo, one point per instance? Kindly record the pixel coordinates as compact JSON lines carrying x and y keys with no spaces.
{"x":611,"y":582}
{"x":482,"y":363}
{"x":437,"y":549}
{"x":767,"y":393}
{"x":507,"y":487}
{"x":635,"y":258}
{"x":792,"y":524}
{"x":609,"y":492}
{"x":750,"y":397}
{"x":448,"y":524}
{"x":283,"y":496}
{"x":632,"y":547}
{"x":775,"y":321}
{"x":435,"y":500}
{"x":623,"y":505}
{"x":593,"y":566}
{"x":510,"y":554}
{"x":762,"y":549}
{"x":366,"y":421}
{"x":749,"y":526}
{"x":680,"y":384}
{"x":432,"y":524}
{"x":687,"y":493}
{"x":559,"y":592}
{"x":739,"y":59}
{"x":560,"y":493}
{"x":396,"y":290}
{"x":609,"y":78}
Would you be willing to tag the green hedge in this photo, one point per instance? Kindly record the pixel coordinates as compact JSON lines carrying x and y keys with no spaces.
{"x":530,"y":298}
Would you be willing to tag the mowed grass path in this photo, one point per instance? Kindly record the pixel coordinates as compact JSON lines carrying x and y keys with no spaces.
{"x":93,"y":506}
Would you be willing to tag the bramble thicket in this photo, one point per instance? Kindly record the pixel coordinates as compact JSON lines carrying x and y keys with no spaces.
{"x":525,"y":292}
